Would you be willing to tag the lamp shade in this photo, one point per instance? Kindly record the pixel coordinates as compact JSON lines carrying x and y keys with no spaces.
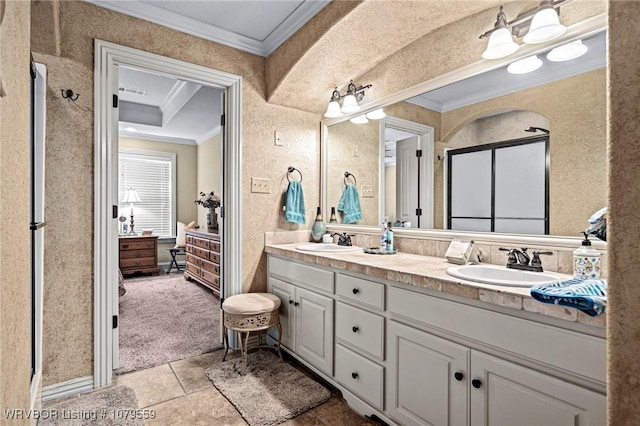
{"x":350,"y":104}
{"x":525,"y":65}
{"x":333,"y":110}
{"x":131,"y":196}
{"x":360,"y":119}
{"x":545,"y":25}
{"x":567,"y":51}
{"x":500,"y":44}
{"x":376,"y":114}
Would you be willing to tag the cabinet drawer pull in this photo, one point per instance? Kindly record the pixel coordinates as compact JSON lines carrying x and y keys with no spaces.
{"x":295,"y":304}
{"x":459,"y":376}
{"x":476,"y":383}
{"x":354,"y":375}
{"x":356,"y":291}
{"x":355,"y":329}
{"x":125,"y":246}
{"x":290,"y":302}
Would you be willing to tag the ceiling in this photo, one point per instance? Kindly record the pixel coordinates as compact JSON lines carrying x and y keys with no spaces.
{"x":258,"y":27}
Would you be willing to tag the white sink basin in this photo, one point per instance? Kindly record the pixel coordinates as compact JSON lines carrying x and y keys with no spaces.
{"x":500,"y":275}
{"x":326,"y":248}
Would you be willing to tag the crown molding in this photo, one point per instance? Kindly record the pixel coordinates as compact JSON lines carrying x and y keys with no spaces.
{"x":158,"y":15}
{"x":156,"y":138}
{"x":208,"y":135}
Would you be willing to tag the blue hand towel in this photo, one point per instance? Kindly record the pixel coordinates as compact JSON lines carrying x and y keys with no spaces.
{"x":589,"y":296}
{"x":295,"y":203}
{"x":349,"y":205}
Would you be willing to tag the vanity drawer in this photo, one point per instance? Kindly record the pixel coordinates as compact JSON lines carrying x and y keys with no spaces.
{"x":359,"y":375}
{"x":361,"y":329}
{"x":362,"y":291}
{"x":296,"y":273}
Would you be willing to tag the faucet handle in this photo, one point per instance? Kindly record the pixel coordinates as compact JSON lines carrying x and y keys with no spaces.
{"x":511,"y":257}
{"x":536,"y":257}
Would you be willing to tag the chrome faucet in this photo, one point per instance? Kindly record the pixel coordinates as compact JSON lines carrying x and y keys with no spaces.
{"x":519,"y":259}
{"x":344,"y":239}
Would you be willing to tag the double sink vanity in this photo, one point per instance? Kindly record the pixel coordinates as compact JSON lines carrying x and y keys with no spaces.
{"x":409,"y":343}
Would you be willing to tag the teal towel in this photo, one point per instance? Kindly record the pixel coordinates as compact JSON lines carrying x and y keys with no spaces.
{"x":295,"y":203}
{"x":349,"y":205}
{"x":589,"y":296}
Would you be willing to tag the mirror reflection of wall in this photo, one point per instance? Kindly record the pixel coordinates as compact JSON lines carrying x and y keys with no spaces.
{"x":568,"y":98}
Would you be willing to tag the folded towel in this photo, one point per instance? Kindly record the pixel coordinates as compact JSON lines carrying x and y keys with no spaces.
{"x":294,"y":211}
{"x":589,"y":296}
{"x":349,"y":205}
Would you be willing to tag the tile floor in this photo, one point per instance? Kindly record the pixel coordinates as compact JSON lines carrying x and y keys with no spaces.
{"x":181,"y":394}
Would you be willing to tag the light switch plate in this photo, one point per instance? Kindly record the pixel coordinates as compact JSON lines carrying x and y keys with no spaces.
{"x":261,"y":185}
{"x":278,"y":138}
{"x":367,"y":191}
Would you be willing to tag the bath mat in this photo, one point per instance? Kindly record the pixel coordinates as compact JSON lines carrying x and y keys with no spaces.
{"x":113,"y":406}
{"x":270,"y":392}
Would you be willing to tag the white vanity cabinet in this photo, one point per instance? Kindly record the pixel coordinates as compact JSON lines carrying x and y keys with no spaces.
{"x":306,"y":315}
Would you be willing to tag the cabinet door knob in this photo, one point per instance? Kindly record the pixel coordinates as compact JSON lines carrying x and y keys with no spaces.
{"x":355,"y":329}
{"x":356,"y":291}
{"x":476,"y":383}
{"x":296,"y":304}
{"x":354,"y":375}
{"x":290,"y":302}
{"x":125,"y":246}
{"x":459,"y":376}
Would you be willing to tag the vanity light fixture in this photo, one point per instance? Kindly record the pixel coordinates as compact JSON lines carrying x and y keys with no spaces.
{"x":359,"y":119}
{"x":349,"y":101}
{"x":537,"y":25}
{"x":568,"y":51}
{"x":376,"y":114}
{"x":525,"y":65}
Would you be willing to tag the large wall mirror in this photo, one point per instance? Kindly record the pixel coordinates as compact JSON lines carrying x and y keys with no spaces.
{"x":502,"y":152}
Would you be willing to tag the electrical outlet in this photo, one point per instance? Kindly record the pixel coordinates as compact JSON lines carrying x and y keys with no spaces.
{"x":367,"y":191}
{"x":278,"y":139}
{"x":261,"y":185}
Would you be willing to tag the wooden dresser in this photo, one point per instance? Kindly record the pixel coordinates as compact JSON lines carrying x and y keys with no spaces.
{"x":203,"y":259}
{"x":139,"y":255}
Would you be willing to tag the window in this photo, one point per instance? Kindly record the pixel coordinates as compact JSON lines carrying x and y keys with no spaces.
{"x":153,"y":176}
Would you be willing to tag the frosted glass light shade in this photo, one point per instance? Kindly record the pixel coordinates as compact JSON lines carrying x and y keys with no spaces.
{"x":333,"y":110}
{"x":360,"y":119}
{"x":545,"y":26}
{"x":500,"y":45}
{"x":567,"y":51}
{"x":350,"y":104}
{"x":376,"y":114}
{"x":525,"y":65}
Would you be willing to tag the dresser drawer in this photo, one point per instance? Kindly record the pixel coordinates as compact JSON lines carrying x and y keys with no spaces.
{"x":201,"y":253}
{"x":214,"y":257}
{"x":296,"y":273}
{"x":361,"y":329}
{"x":214,"y":246}
{"x":362,"y":291}
{"x":210,"y":267}
{"x":137,"y":245}
{"x":194,"y":269}
{"x":212,"y":279}
{"x":133,"y":263}
{"x":359,"y":375}
{"x":131,"y":254}
{"x":191,"y":258}
{"x":201,"y":242}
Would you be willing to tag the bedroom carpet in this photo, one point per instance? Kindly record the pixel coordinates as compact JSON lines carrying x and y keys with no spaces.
{"x":270,"y":392}
{"x":165,"y":318}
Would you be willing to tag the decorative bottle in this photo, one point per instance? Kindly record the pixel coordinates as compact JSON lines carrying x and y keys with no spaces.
{"x":318,"y":229}
{"x":389,"y":246}
{"x":332,"y":218}
{"x":586,"y":261}
{"x":383,"y":236}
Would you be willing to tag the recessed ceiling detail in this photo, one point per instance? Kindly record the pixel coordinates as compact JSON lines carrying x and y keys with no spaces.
{"x":257,"y":27}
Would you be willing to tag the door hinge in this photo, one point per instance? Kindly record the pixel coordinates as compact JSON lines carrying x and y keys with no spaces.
{"x":419,"y":153}
{"x":221,"y":212}
{"x":222,"y":120}
{"x":114,"y":212}
{"x":115,"y":101}
{"x":221,"y":302}
{"x":115,"y":321}
{"x":418,"y":212}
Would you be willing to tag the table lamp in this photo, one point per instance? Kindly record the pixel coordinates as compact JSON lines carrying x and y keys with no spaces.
{"x":131,"y":196}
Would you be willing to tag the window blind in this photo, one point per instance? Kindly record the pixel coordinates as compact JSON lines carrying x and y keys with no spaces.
{"x":152,"y":175}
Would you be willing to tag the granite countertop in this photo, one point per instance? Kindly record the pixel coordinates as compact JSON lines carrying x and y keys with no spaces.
{"x":430,"y":272}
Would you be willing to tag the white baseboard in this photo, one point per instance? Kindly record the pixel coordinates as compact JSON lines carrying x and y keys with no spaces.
{"x":68,"y":388}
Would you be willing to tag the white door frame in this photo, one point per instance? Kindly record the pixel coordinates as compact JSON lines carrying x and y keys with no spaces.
{"x":108,"y":56}
{"x":426,"y":134}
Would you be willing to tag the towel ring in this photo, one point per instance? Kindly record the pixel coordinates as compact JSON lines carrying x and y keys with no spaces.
{"x":291,"y":170}
{"x":346,"y":175}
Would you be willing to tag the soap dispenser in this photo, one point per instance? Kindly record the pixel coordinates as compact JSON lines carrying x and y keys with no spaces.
{"x":389,"y":237}
{"x":586,"y":261}
{"x":383,"y":236}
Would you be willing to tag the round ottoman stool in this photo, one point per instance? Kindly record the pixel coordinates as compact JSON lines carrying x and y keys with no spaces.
{"x":249,"y":312}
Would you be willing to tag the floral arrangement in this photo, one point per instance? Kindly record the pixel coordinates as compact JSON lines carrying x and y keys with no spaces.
{"x":208,"y":201}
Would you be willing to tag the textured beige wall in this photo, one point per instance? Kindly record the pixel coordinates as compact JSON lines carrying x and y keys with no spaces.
{"x":623,"y":318}
{"x":209,"y":165}
{"x":15,"y":343}
{"x":69,"y":258}
{"x":578,"y":172}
